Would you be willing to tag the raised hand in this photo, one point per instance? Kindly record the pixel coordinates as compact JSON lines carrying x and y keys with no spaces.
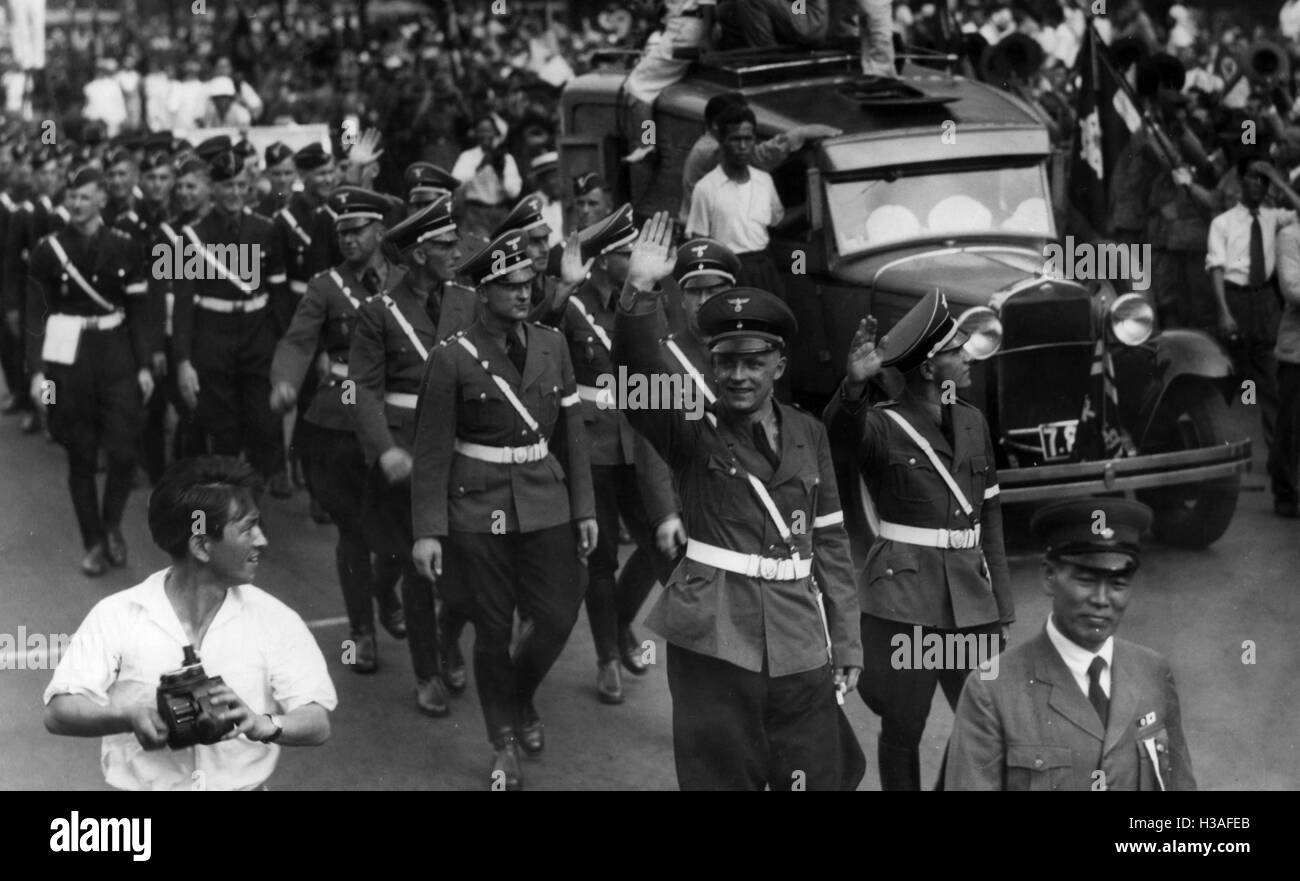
{"x":864,"y":359}
{"x":653,"y":258}
{"x":573,"y":270}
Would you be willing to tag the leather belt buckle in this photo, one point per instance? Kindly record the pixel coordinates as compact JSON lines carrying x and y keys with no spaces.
{"x":520,"y":455}
{"x":768,"y":568}
{"x":960,"y":539}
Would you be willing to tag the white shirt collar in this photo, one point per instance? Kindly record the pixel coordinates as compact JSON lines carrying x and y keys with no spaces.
{"x":1076,"y":657}
{"x":152,"y":597}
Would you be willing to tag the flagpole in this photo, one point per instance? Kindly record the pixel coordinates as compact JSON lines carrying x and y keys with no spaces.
{"x":1163,"y":143}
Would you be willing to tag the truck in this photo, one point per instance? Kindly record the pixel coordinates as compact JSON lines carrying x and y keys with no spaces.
{"x":942,"y":182}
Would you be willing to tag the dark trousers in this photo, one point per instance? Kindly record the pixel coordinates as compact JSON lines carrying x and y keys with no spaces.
{"x":13,"y":361}
{"x":1287,"y":440}
{"x":766,"y":23}
{"x":735,"y":729}
{"x":1182,"y":291}
{"x":539,"y":574}
{"x":1258,"y":313}
{"x":232,"y":354}
{"x":902,"y":697}
{"x":97,"y":405}
{"x":338,"y":470}
{"x":386,"y":529}
{"x":613,"y":605}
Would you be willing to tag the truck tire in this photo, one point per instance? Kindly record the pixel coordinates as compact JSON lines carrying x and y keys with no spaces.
{"x":1192,"y":515}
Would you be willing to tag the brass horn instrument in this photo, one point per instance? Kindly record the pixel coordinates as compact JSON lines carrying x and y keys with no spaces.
{"x":1266,"y":64}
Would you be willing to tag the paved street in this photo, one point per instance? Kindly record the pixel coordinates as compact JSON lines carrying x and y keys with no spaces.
{"x":1242,"y":721}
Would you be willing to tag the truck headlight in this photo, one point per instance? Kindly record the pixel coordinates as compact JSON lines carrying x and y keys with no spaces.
{"x":1132,"y":319}
{"x":985,"y":330}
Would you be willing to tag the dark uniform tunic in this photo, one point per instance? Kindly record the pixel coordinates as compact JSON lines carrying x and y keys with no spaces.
{"x":746,"y":652}
{"x":507,"y":527}
{"x":388,"y":366}
{"x":96,"y":401}
{"x":228,"y":331}
{"x":965,"y":587}
{"x":34,"y":219}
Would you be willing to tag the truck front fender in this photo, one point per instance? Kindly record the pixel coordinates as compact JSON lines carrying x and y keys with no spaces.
{"x":1179,"y":354}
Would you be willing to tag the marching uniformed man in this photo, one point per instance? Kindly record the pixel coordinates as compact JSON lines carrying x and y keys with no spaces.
{"x":937,"y":564}
{"x":304,"y":224}
{"x":89,"y":334}
{"x":224,"y":328}
{"x":761,"y":615}
{"x":629,"y":477}
{"x":14,"y":204}
{"x":323,"y":323}
{"x":152,"y":220}
{"x":41,"y":215}
{"x":395,"y":333}
{"x":121,"y":179}
{"x":282,"y":174}
{"x":502,"y":492}
{"x":1076,"y":707}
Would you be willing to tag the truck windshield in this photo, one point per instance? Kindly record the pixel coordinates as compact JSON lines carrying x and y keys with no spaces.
{"x":1007,"y":201}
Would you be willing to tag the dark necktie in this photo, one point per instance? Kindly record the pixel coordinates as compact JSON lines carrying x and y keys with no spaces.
{"x":1100,"y":702}
{"x":1257,"y":274}
{"x":945,"y":423}
{"x":763,"y":446}
{"x":515,"y":351}
{"x":370,"y":280}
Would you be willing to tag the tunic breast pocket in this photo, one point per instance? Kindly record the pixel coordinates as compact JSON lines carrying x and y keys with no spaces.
{"x":911,"y":477}
{"x":727,"y":488}
{"x":979,"y":466}
{"x":1039,"y":768}
{"x":482,"y":408}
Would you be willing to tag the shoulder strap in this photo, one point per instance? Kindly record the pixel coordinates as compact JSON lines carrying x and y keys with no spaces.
{"x":406,"y":326}
{"x":77,"y":277}
{"x":504,"y":386}
{"x":700,"y":385}
{"x":293,"y":225}
{"x":933,"y":457}
{"x":347,"y":292}
{"x":591,"y":322}
{"x":214,"y":262}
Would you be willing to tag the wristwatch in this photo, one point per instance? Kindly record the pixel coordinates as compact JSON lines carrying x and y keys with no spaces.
{"x":279,"y":728}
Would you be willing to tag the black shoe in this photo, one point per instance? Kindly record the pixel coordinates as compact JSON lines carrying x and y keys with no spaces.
{"x":394,"y":621}
{"x":609,"y":683}
{"x":115,"y":546}
{"x":367,"y":658}
{"x":454,"y":668}
{"x":630,"y":652}
{"x":431,"y":697}
{"x":279,"y":486}
{"x":95,"y":563}
{"x":1286,"y":509}
{"x":531,"y":731}
{"x":506,"y":774}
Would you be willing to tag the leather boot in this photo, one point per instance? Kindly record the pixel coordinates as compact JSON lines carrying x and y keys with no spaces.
{"x":609,"y":683}
{"x":506,"y":773}
{"x":900,"y":767}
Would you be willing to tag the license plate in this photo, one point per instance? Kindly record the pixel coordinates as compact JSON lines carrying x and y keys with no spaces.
{"x":1057,"y":439}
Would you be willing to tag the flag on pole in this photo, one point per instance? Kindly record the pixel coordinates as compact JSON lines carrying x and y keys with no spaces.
{"x":1106,"y":119}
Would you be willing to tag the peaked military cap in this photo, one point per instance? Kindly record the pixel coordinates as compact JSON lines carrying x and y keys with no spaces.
{"x":544,"y":162}
{"x":585,"y":183}
{"x":355,"y":207}
{"x":226,"y":166}
{"x":747,"y":320}
{"x":212,"y":147}
{"x":503,"y":258}
{"x":1098,"y":533}
{"x":707,"y":260}
{"x":614,"y":232}
{"x":432,"y":220}
{"x":927,"y":329}
{"x":277,"y":153}
{"x":425,"y":182}
{"x":525,"y":217}
{"x":312,"y":157}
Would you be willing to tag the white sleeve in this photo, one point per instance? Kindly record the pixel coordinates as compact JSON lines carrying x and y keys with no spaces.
{"x":297,"y":671}
{"x":1216,"y":243}
{"x":778,"y":210}
{"x":93,"y":659}
{"x":510,"y":181}
{"x":466,"y":166}
{"x":698,"y":222}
